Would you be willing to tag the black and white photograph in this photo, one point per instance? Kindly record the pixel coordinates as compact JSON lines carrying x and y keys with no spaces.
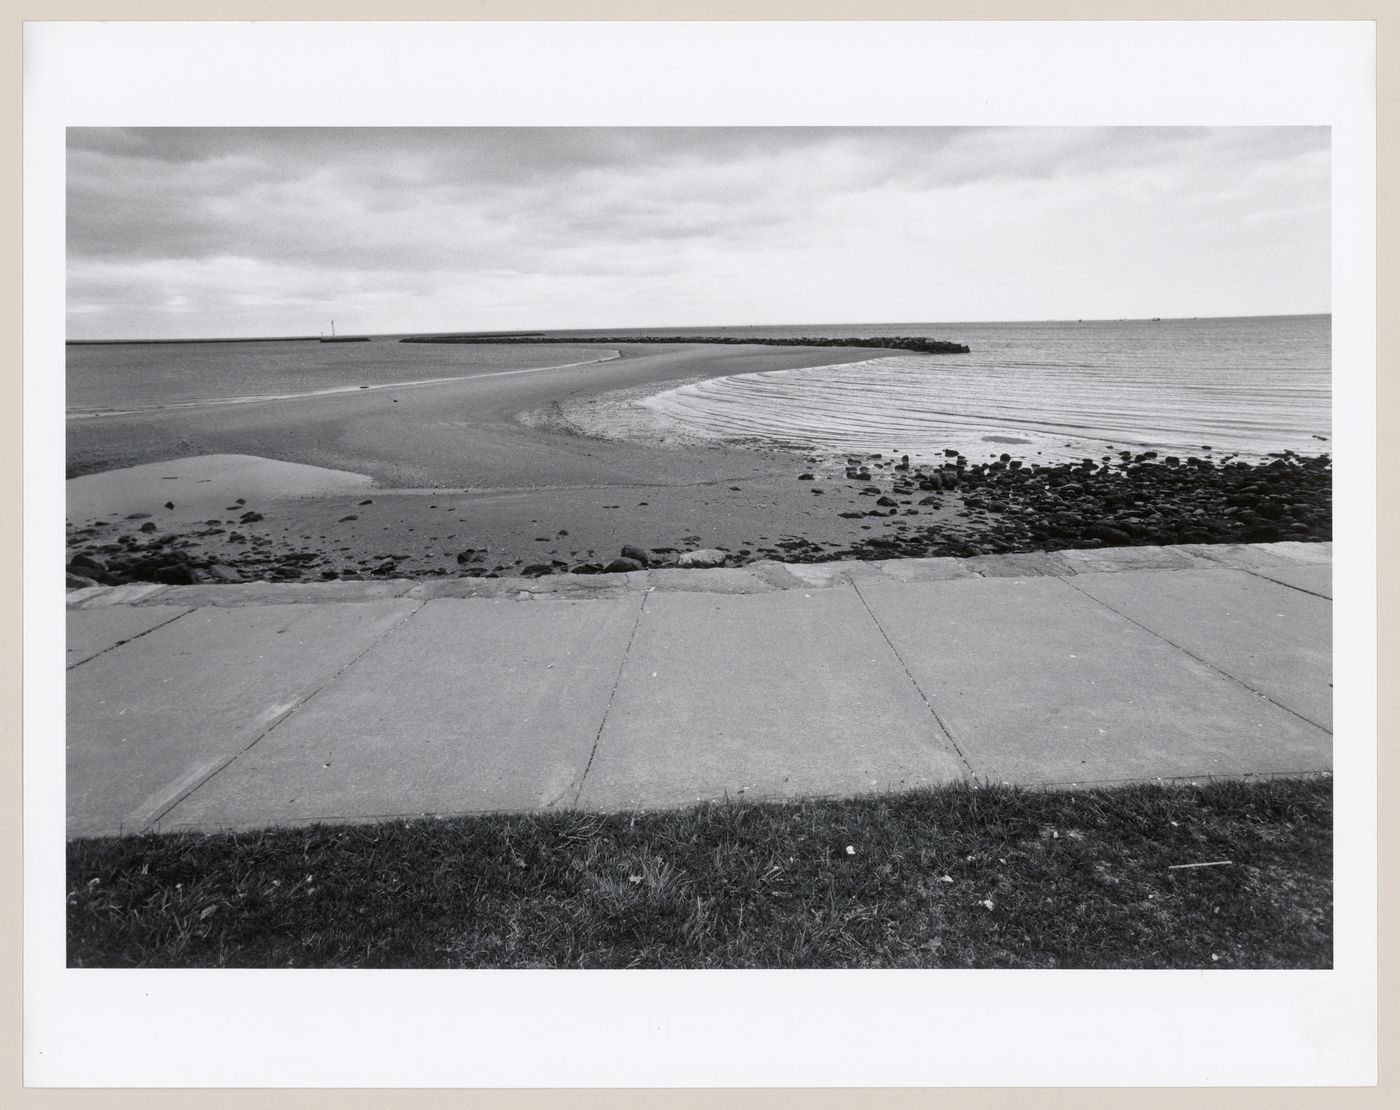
{"x":646,"y":545}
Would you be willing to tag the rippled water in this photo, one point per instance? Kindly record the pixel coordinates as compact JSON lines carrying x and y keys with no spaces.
{"x":1061,"y":390}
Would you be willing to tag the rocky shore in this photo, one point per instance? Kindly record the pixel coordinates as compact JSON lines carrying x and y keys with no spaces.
{"x":1128,"y":500}
{"x":917,"y":344}
{"x":870,"y":507}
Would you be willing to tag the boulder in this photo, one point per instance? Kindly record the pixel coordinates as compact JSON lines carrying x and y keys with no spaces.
{"x":637,"y":554}
{"x":174,"y":574}
{"x":623,"y":566}
{"x":85,"y":563}
{"x":706,"y":557}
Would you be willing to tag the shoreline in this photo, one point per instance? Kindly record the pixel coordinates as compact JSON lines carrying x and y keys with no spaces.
{"x":877,"y":508}
{"x":487,"y":476}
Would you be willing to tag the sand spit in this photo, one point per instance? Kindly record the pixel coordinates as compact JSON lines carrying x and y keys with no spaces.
{"x":374,"y":386}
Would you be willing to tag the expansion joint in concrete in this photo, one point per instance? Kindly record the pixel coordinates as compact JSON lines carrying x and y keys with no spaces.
{"x":942,"y":725}
{"x":150,"y":814}
{"x":1204,"y":662}
{"x":147,"y":632}
{"x":612,"y":694}
{"x":1286,"y":585}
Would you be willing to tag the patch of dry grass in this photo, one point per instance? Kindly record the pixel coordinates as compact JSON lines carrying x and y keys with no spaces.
{"x":950,"y":877}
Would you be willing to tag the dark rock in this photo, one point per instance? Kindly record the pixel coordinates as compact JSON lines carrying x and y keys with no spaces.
{"x":886,"y":501}
{"x":221,"y":573}
{"x":1106,"y":533}
{"x":137,"y":516}
{"x":250,"y":518}
{"x":79,"y":581}
{"x":149,"y":526}
{"x":174,"y":574}
{"x":623,"y":566}
{"x":806,"y":478}
{"x":170,"y":504}
{"x":537,"y":570}
{"x":636,"y":554}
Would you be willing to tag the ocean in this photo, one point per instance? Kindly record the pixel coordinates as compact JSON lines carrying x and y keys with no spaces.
{"x":1056,"y":389}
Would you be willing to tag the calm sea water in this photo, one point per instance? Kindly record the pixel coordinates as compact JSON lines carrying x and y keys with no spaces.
{"x":1250,"y":385}
{"x":1057,"y":389}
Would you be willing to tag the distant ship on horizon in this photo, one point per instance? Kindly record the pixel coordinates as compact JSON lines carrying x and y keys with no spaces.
{"x":333,"y":338}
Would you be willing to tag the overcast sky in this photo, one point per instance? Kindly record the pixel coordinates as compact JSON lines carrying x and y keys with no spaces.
{"x":178,"y":232}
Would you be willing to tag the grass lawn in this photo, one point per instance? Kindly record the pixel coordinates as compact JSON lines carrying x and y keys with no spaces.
{"x":951,"y":877}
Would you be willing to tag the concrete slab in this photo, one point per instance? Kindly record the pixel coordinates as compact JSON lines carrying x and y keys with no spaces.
{"x":1039,"y":683}
{"x":1022,"y":564}
{"x":1110,"y":559}
{"x":927,"y":570}
{"x":762,"y":696}
{"x":279,"y":593}
{"x":1299,"y":551}
{"x":1311,"y":579}
{"x":96,"y":597}
{"x":712,"y":580}
{"x":1247,"y":556}
{"x":148,"y":723}
{"x":1275,"y":640}
{"x":563,"y":585}
{"x":804,"y":575}
{"x":92,"y":632}
{"x":473,"y":705}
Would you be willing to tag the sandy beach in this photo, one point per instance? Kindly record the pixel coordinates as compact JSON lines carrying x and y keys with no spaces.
{"x":553,"y":470}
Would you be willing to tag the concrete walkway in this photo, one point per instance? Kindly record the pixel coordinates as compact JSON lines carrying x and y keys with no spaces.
{"x":240,"y":706}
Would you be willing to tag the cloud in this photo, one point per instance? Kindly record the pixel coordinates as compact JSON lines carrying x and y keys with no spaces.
{"x":262,"y":228}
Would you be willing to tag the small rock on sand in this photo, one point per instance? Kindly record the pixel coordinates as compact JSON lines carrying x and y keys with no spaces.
{"x":706,"y":557}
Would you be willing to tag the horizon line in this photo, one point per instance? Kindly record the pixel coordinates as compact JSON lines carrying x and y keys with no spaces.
{"x":679,"y":327}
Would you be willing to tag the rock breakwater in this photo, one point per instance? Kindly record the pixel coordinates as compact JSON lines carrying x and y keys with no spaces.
{"x":915,"y":344}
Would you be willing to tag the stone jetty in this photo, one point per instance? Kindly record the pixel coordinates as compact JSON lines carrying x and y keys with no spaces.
{"x":916,"y":344}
